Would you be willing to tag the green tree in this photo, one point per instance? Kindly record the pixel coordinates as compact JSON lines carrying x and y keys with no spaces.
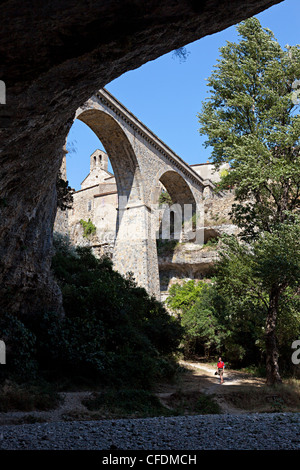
{"x":256,"y":279}
{"x":252,"y":123}
{"x":112,"y":332}
{"x":165,"y":198}
{"x":198,"y":308}
{"x":202,"y":326}
{"x":277,"y":265}
{"x":183,"y":296}
{"x":64,"y":193}
{"x":244,"y":303}
{"x":110,"y":325}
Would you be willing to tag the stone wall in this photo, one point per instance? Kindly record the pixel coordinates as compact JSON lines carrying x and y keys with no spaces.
{"x":217,"y":210}
{"x":181,"y":262}
{"x":209,"y":172}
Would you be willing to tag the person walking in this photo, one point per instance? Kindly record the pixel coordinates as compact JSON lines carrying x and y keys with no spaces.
{"x":221,"y":367}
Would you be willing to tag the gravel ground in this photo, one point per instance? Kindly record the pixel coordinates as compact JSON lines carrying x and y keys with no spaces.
{"x":280,"y":431}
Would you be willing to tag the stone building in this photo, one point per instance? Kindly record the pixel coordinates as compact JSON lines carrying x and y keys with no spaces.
{"x":207,"y":171}
{"x":97,"y":201}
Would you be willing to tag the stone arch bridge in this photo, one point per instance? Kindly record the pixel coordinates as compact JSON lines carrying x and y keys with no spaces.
{"x":141,"y":163}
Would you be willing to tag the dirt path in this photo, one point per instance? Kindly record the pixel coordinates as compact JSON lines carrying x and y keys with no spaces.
{"x":198,"y":377}
{"x":71,"y":408}
{"x":201,"y":378}
{"x":217,"y":389}
{"x":232,"y":379}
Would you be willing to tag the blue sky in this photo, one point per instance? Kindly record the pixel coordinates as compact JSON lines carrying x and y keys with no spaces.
{"x":166,"y":94}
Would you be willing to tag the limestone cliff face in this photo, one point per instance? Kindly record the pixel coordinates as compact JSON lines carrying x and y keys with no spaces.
{"x":187,"y":261}
{"x":54,"y":56}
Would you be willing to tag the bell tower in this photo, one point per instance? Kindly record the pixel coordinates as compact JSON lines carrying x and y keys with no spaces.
{"x":98,"y":161}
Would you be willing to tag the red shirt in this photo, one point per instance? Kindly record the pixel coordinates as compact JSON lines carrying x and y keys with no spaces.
{"x":220,"y":365}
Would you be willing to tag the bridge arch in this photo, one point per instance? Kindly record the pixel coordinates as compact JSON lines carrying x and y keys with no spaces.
{"x":181,"y":209}
{"x":120,"y":152}
{"x":177,"y":187}
{"x":135,"y":249}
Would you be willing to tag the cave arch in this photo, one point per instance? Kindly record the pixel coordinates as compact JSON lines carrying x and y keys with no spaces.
{"x":52,"y":67}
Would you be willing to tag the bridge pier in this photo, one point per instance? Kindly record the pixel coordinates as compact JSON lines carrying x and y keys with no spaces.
{"x":135,"y":247}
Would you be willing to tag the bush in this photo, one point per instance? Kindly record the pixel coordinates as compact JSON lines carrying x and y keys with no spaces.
{"x":197,"y":305}
{"x":126,"y":403}
{"x":14,"y":397}
{"x":88,"y":227}
{"x":112,"y":332}
{"x":20,"y":345}
{"x":192,"y":403}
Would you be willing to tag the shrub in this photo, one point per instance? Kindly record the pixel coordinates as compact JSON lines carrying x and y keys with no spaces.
{"x":125,"y":403}
{"x":88,"y":227}
{"x":192,"y":403}
{"x":112,"y":330}
{"x":164,"y":198}
{"x":14,"y":397}
{"x":20,"y":345}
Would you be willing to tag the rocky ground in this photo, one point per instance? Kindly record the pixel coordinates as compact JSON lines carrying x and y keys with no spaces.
{"x":70,"y":427}
{"x":203,"y":432}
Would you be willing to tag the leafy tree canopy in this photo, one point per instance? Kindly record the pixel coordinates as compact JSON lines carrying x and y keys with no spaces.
{"x":251,"y":121}
{"x":64,"y":193}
